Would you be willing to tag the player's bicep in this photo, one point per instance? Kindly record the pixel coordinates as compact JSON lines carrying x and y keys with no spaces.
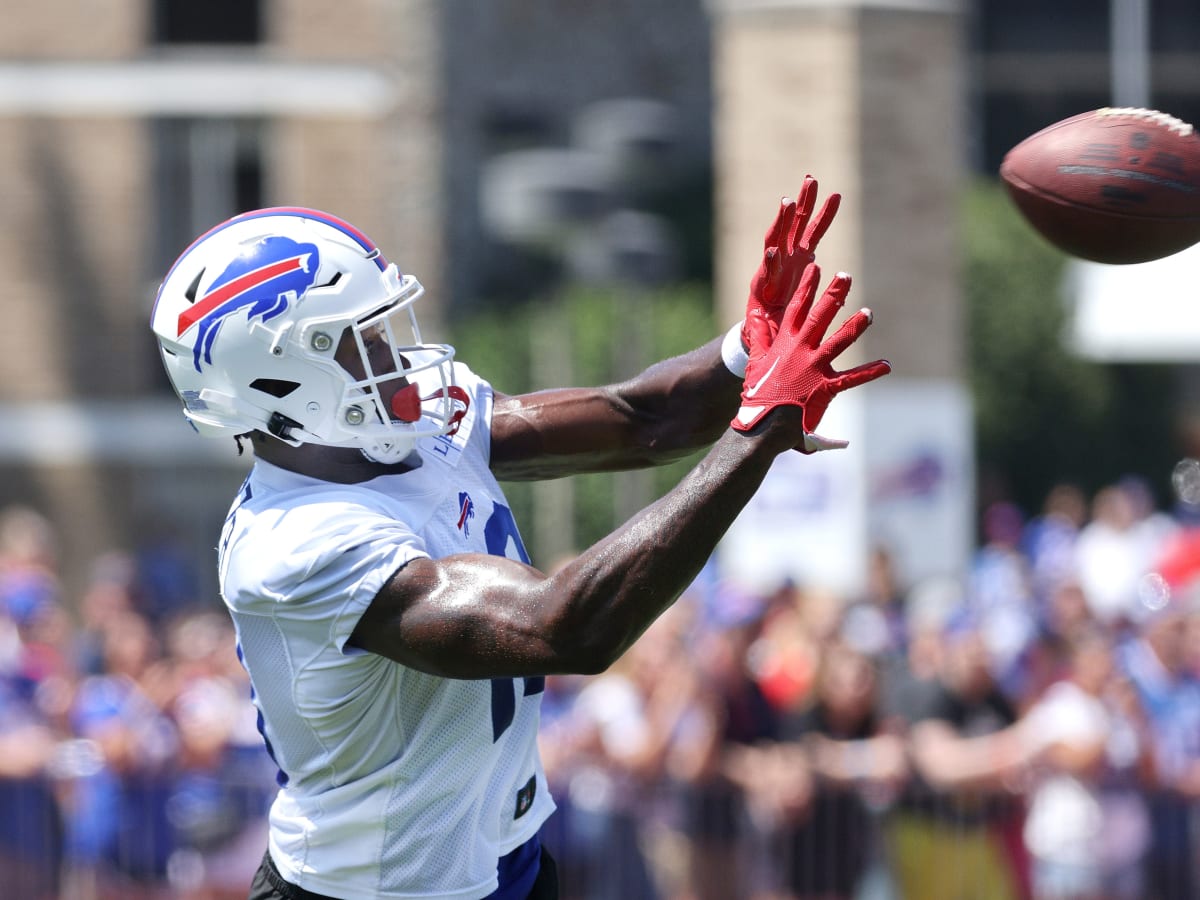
{"x":464,"y":616}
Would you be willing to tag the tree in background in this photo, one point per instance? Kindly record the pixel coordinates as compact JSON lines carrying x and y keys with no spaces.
{"x":1042,"y":414}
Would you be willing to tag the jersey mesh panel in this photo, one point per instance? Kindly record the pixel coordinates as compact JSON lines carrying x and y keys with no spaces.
{"x":263,"y":642}
{"x":460,"y":705}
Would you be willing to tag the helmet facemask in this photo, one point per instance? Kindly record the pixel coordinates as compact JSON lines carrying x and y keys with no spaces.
{"x":290,"y":322}
{"x":399,"y":388}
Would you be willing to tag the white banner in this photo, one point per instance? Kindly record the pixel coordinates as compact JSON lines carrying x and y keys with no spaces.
{"x":906,"y":482}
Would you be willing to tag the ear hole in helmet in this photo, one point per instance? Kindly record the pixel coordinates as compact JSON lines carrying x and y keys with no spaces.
{"x":274,"y":386}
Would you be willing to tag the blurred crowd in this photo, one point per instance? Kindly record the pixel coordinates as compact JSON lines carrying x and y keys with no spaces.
{"x":1028,"y":730}
{"x":130,"y":761}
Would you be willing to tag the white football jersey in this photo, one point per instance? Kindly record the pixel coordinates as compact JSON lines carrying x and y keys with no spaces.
{"x":393,"y":782}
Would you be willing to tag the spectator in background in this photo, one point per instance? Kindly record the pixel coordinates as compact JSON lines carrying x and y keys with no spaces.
{"x":823,"y":781}
{"x":30,"y":595}
{"x":906,"y":679}
{"x":31,"y":826}
{"x":167,"y":584}
{"x":119,"y":834}
{"x":1110,"y":557}
{"x":28,"y":555}
{"x":1191,"y":646}
{"x":1155,"y":526}
{"x":958,"y":823}
{"x":877,"y":617}
{"x":1157,"y":664}
{"x":1000,"y":592}
{"x":35,"y":677}
{"x":786,"y":653}
{"x":623,"y":724}
{"x":1117,"y":549}
{"x":109,"y":593}
{"x":729,"y":712}
{"x":1087,"y":829}
{"x":1066,"y":615}
{"x":1064,"y":619}
{"x":222,"y":783}
{"x":1049,"y":539}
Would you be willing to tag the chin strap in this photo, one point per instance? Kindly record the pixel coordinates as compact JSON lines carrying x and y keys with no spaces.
{"x":281,"y":426}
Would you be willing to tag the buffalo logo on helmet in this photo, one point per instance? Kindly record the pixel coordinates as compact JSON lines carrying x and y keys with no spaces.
{"x":259,"y":281}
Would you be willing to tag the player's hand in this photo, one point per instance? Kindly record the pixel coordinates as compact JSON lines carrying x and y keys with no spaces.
{"x":789,"y":247}
{"x":797,"y":368}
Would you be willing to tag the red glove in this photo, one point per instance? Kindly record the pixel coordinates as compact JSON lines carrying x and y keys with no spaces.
{"x":788,"y":248}
{"x":797,"y":370}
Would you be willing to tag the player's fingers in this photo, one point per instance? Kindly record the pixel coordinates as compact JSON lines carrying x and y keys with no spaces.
{"x":798,"y":310}
{"x":860,"y":375}
{"x":826,"y":309}
{"x":820,"y":223}
{"x":790,"y":279}
{"x":782,"y":226}
{"x":806,"y":200}
{"x":847,"y":334}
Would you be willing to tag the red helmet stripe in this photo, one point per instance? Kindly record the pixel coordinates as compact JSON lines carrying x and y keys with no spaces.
{"x":237,"y":286}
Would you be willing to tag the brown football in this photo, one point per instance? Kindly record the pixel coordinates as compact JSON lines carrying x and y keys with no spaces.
{"x":1115,"y":185}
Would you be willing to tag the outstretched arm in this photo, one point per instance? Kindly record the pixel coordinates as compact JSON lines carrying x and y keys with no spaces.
{"x":478,"y":616}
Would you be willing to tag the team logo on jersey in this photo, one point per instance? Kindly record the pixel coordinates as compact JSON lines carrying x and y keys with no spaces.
{"x":466,"y":512}
{"x":259,"y":280}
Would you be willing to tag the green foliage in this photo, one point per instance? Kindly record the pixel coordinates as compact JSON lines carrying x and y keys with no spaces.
{"x":610,"y":334}
{"x":1042,"y":414}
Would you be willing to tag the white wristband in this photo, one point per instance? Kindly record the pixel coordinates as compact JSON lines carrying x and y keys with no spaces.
{"x":735,"y":355}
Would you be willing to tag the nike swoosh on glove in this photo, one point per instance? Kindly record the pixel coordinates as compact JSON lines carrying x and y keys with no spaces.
{"x":797,"y":369}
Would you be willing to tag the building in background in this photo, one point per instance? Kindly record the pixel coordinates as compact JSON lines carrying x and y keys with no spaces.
{"x":127,"y":127}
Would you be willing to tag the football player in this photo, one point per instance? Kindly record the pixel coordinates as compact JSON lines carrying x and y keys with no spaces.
{"x":395,"y":632}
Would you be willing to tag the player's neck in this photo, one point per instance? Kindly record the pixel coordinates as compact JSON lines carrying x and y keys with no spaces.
{"x":340,"y":465}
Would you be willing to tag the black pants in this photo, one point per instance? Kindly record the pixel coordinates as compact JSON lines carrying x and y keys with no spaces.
{"x":268,"y":884}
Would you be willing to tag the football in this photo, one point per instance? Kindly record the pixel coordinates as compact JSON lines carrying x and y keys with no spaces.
{"x":1115,"y":185}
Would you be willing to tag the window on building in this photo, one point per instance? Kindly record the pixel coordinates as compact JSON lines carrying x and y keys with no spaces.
{"x":210,"y":22}
{"x":205,"y":170}
{"x":1035,"y":26}
{"x":1038,"y":62}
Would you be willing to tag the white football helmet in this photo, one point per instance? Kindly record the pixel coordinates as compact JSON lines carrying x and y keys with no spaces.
{"x":289,"y":321}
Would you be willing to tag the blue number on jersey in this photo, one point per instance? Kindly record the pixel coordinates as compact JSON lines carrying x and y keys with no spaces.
{"x":500,"y":528}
